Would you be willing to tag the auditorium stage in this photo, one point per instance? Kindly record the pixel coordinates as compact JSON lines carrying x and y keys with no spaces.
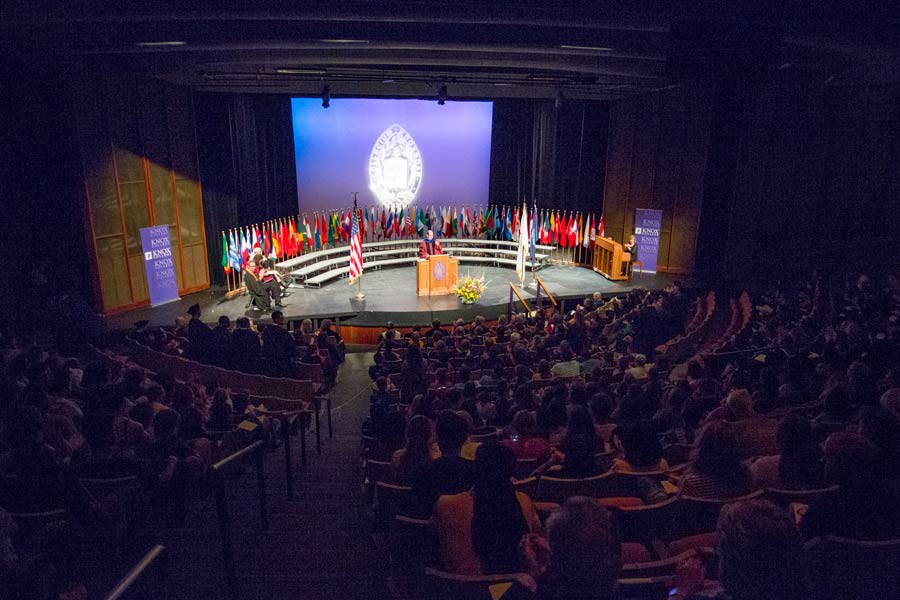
{"x":391,"y":295}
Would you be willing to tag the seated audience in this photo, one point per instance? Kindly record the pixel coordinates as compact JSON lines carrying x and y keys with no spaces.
{"x":866,"y":505}
{"x":448,"y":474}
{"x":479,"y":530}
{"x":798,"y":465}
{"x":760,"y":556}
{"x":413,"y":460}
{"x":716,"y":470}
{"x":640,"y":449}
{"x":524,"y":441}
{"x":584,"y":555}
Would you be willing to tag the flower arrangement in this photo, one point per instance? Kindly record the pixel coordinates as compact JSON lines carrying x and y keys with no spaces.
{"x":469,"y":289}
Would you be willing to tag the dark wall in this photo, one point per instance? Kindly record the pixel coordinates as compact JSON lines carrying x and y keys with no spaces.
{"x":657,"y":158}
{"x":555,"y":155}
{"x":759,"y":178}
{"x":247,"y":165}
{"x":40,"y":188}
{"x":812,"y":178}
{"x":138,"y":158}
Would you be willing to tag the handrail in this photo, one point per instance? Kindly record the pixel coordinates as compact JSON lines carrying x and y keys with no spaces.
{"x":239,"y":454}
{"x":135,"y":572}
{"x":224,"y":518}
{"x":546,"y":291}
{"x":513,"y":290}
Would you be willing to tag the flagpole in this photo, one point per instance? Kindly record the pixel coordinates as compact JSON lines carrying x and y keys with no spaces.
{"x":533,"y":239}
{"x":578,"y":239}
{"x":359,"y":293}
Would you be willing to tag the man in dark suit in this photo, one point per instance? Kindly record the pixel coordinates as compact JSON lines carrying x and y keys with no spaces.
{"x":245,"y":344}
{"x":278,"y":347}
{"x":429,"y":246}
{"x":199,"y":335}
{"x":221,"y":343}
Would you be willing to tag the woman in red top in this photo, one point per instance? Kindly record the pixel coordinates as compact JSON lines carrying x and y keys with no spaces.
{"x":524,"y":442}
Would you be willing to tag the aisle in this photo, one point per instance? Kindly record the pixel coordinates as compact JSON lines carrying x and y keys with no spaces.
{"x":318,"y":545}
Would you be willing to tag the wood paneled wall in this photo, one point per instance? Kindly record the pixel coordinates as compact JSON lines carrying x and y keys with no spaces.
{"x":139,"y":161}
{"x":656,"y":158}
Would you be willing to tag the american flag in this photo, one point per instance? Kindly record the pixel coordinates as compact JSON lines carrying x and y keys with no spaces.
{"x":356,"y":263}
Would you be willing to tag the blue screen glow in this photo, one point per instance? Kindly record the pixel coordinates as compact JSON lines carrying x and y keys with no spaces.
{"x":391,"y":152}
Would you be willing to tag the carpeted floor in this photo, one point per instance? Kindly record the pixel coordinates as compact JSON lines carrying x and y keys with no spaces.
{"x":318,"y":545}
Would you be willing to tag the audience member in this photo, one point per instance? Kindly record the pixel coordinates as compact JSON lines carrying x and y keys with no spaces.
{"x":716,"y":470}
{"x":479,"y":531}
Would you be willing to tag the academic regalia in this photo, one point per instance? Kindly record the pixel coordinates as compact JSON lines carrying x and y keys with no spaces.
{"x":427,"y":249}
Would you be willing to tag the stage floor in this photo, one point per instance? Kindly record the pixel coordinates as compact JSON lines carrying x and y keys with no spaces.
{"x":391,"y":295}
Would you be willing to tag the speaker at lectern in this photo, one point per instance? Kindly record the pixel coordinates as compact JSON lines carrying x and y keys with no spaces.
{"x":436,"y":275}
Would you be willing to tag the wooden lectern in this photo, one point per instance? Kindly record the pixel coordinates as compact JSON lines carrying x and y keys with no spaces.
{"x":436,"y":275}
{"x":608,"y":258}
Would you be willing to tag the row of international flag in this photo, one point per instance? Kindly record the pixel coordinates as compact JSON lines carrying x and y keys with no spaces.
{"x":287,"y":237}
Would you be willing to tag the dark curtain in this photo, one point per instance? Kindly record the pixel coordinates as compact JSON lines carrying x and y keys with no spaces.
{"x":246,"y":150}
{"x":726,"y":124}
{"x":555,"y":155}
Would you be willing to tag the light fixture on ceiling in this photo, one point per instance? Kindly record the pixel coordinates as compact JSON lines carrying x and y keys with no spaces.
{"x":326,"y":96}
{"x":588,"y":48}
{"x":344,"y":41}
{"x":442,"y":94}
{"x":159,"y":44}
{"x":289,"y":71}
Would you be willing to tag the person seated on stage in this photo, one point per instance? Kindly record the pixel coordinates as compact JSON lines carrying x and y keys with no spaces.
{"x":429,"y":246}
{"x":262,"y":292}
{"x":257,"y":256}
{"x":268,"y":274}
{"x":631,"y":247}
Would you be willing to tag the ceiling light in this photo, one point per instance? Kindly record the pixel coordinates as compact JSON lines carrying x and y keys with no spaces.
{"x":155,"y":44}
{"x":546,"y":78}
{"x":442,"y":94}
{"x":326,"y":96}
{"x":300,"y":71}
{"x":590,"y":48}
{"x":340,"y":41}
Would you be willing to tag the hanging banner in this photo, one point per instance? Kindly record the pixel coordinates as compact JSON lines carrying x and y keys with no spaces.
{"x":647,"y":223}
{"x":159,"y":264}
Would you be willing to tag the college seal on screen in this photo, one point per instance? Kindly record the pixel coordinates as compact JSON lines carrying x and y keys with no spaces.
{"x":395,"y":167}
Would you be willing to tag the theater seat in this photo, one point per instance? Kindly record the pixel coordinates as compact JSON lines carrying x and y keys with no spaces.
{"x":440,"y":585}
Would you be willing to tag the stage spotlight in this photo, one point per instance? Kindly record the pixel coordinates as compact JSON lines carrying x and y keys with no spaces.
{"x":559,"y":100}
{"x":442,"y":94}
{"x":326,"y":96}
